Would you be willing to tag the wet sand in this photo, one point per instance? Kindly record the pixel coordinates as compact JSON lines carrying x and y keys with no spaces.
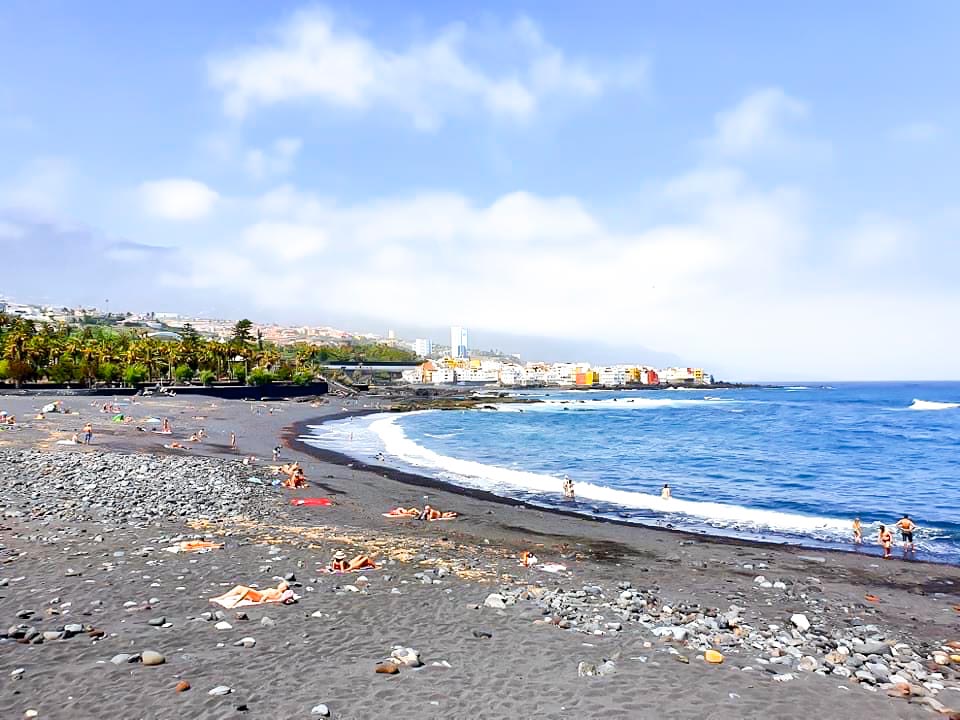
{"x":428,"y":594}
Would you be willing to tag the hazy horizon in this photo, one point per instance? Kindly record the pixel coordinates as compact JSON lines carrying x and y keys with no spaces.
{"x":757,"y":190}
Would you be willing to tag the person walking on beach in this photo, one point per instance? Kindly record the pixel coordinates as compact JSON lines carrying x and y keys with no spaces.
{"x":886,"y":540}
{"x":857,"y":531}
{"x":907,"y":526}
{"x":276,"y":453}
{"x":233,"y":441}
{"x":165,"y":427}
{"x":665,"y":493}
{"x":87,"y":434}
{"x":568,"y":488}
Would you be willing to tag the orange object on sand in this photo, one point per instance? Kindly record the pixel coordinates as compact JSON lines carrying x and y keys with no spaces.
{"x":871,"y":598}
{"x":713,"y":657}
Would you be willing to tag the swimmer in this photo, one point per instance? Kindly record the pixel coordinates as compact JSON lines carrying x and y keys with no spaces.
{"x":665,"y":493}
{"x":568,"y":488}
{"x":907,"y":526}
{"x":885,"y":538}
{"x":857,"y":531}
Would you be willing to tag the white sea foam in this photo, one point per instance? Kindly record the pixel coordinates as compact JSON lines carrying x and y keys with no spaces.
{"x":494,"y":478}
{"x":933,"y":405}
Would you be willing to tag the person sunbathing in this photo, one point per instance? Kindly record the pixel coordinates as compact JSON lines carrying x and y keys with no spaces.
{"x":295,"y":479}
{"x":242,"y":595}
{"x":402,"y":512}
{"x":431,"y":514}
{"x":360,"y":562}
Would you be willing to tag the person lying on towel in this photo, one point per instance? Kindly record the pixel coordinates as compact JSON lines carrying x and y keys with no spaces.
{"x":241,"y":595}
{"x":431,"y":514}
{"x":402,"y":512}
{"x":360,"y":562}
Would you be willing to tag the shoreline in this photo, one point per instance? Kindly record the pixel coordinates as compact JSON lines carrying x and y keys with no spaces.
{"x":291,"y":439}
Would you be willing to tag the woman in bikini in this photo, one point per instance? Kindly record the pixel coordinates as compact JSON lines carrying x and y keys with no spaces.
{"x":886,"y":540}
{"x":339,"y":562}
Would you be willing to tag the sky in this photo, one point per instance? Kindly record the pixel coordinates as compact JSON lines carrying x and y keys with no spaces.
{"x":765,"y":191}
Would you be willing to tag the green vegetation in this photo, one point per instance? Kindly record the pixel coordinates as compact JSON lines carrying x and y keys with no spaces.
{"x":86,"y":353}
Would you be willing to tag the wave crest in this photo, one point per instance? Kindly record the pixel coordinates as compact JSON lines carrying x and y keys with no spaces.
{"x":933,"y":405}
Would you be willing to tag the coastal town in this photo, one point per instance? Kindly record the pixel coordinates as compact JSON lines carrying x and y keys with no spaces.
{"x":420,"y":361}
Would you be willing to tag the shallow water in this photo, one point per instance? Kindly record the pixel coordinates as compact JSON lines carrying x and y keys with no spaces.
{"x":793,"y":464}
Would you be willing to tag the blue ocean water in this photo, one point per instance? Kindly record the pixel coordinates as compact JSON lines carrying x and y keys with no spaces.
{"x":789,"y":464}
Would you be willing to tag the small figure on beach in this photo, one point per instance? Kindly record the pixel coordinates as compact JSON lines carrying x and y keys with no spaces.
{"x":233,"y":441}
{"x":276,"y":453}
{"x":568,"y":488}
{"x":165,"y":426}
{"x":886,"y":540}
{"x":665,"y":493}
{"x":87,"y":434}
{"x":857,"y":531}
{"x":907,"y":527}
{"x":201,"y":434}
{"x":359,"y":562}
{"x":432,"y":513}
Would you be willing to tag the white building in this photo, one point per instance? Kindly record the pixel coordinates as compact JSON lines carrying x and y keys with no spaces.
{"x":423,"y":347}
{"x":458,"y":342}
{"x":613,"y":375}
{"x":443,"y":376}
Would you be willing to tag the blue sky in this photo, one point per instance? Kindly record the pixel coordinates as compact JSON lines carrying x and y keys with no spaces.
{"x":766,"y":192}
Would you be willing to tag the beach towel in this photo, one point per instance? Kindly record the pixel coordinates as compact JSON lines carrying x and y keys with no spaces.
{"x":312,"y":502}
{"x":243,"y":596}
{"x":551,"y":567}
{"x":193,"y":546}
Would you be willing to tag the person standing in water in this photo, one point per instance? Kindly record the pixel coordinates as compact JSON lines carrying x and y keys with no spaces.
{"x":857,"y":531}
{"x":665,"y":493}
{"x":568,"y":488}
{"x":907,"y":526}
{"x":886,"y":540}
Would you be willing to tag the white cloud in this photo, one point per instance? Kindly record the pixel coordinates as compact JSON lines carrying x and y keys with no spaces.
{"x":757,"y":122}
{"x":274,"y":161}
{"x":289,"y":241}
{"x":872,"y":241}
{"x":177,"y":199}
{"x":917,"y":132}
{"x":312,"y":58}
{"x":41,"y":187}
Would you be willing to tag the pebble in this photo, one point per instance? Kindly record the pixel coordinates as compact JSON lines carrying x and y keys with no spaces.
{"x":182,"y":686}
{"x":496,"y":601}
{"x":800,"y":622}
{"x":121,"y":658}
{"x":157,"y":621}
{"x":247,"y":642}
{"x":387,"y":669}
{"x":151,"y":657}
{"x":321,"y":710}
{"x":223,"y":625}
{"x":221,"y":690}
{"x":267,"y":621}
{"x":407,"y":656}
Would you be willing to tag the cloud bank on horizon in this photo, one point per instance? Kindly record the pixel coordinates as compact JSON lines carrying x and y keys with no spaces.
{"x":501,"y":172}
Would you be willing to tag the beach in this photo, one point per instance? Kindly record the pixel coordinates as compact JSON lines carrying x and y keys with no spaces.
{"x":614,"y":620}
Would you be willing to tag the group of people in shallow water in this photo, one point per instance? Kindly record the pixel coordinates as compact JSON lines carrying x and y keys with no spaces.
{"x":568,"y":493}
{"x":885,"y":537}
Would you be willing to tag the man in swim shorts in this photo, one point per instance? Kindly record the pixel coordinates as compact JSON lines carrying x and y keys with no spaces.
{"x":907,"y":527}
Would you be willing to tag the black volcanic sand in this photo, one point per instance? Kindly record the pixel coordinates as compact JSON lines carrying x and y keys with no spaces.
{"x":428,"y":594}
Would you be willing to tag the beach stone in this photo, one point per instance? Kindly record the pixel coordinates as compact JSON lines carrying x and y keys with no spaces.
{"x":871,"y":647}
{"x":585,"y":669}
{"x":386,"y":669}
{"x":714,"y":657}
{"x":121,"y":658}
{"x":182,"y":686}
{"x":247,"y":642}
{"x":800,"y":622}
{"x":150,"y":657}
{"x":267,"y":621}
{"x":220,"y":690}
{"x":49,"y":635}
{"x":321,"y":710}
{"x":807,"y":663}
{"x":607,"y":667}
{"x":157,"y":621}
{"x":941,"y":658}
{"x":223,"y":625}
{"x":407,"y":656}
{"x":496,"y":601}
{"x":879,"y":671}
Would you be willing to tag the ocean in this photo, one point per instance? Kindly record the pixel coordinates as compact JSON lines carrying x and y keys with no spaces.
{"x":788,"y":464}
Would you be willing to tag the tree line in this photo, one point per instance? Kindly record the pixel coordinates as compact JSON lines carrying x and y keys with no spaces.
{"x":84,"y":354}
